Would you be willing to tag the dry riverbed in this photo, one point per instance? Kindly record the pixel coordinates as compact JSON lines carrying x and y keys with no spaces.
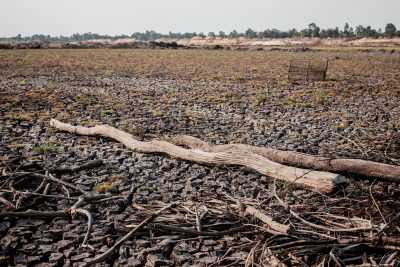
{"x":220,"y":97}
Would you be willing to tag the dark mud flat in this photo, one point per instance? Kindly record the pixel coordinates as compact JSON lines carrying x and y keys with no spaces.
{"x":353,"y":114}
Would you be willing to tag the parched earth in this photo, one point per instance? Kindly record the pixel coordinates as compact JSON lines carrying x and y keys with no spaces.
{"x":355,"y":114}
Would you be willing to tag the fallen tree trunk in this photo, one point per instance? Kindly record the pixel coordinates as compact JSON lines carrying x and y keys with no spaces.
{"x":355,"y":166}
{"x":323,"y":182}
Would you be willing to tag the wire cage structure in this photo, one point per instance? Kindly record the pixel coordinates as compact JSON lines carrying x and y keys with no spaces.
{"x":308,"y":70}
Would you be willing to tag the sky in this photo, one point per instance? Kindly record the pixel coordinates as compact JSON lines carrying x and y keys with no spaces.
{"x":65,"y":17}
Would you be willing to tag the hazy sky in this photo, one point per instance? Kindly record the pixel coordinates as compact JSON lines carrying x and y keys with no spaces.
{"x":65,"y":17}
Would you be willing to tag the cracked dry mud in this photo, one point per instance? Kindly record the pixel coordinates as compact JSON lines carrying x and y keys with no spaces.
{"x":218,"y":96}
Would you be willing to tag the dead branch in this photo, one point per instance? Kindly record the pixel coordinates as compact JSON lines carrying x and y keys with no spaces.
{"x":38,"y":194}
{"x":35,"y":214}
{"x":376,"y":204}
{"x":316,"y":226}
{"x":333,"y":230}
{"x":89,"y":227}
{"x":374,"y":240}
{"x":324,"y":182}
{"x":246,"y":210}
{"x":7,"y":203}
{"x":86,"y":166}
{"x":355,"y":166}
{"x":49,"y":177}
{"x":274,"y":226}
{"x":42,"y":184}
{"x":195,"y":232}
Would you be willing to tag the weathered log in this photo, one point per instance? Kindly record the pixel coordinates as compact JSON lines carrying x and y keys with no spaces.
{"x":323,"y":182}
{"x":355,"y":166}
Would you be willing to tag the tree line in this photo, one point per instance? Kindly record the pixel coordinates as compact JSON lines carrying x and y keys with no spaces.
{"x":312,"y":30}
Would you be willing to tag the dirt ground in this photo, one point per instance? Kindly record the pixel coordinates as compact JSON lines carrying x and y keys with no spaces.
{"x":335,"y":42}
{"x":218,"y":96}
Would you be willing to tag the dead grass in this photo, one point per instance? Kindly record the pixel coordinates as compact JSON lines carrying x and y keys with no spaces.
{"x":320,"y":97}
{"x":105,"y":187}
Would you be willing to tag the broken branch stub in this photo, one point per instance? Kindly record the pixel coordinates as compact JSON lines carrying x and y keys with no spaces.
{"x":324,"y":182}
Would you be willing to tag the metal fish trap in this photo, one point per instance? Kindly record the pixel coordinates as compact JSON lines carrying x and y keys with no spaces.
{"x":308,"y":70}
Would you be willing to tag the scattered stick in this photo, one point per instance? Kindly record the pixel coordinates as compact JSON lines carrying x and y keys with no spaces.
{"x":7,"y":203}
{"x":184,"y":230}
{"x":75,"y":209}
{"x":37,"y":194}
{"x":52,"y":178}
{"x":277,"y":228}
{"x":86,"y":166}
{"x":89,"y":226}
{"x":199,"y":218}
{"x":375,"y":240}
{"x":316,"y":226}
{"x":376,"y":204}
{"x":323,"y":182}
{"x":111,"y":250}
{"x":42,"y":184}
{"x":46,"y":189}
{"x":49,"y":177}
{"x":245,"y":210}
{"x":36,"y":214}
{"x":333,"y":230}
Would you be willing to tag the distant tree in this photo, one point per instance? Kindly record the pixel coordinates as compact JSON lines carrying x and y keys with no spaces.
{"x":360,"y":31}
{"x":266,"y":34}
{"x":233,"y":34}
{"x":346,"y":30}
{"x":262,"y":34}
{"x":171,"y":34}
{"x":331,"y":33}
{"x":139,"y":36}
{"x":189,"y":35}
{"x":211,"y":34}
{"x":336,"y":32}
{"x":151,"y":35}
{"x":222,"y":34}
{"x":275,"y":33}
{"x":390,"y":30}
{"x":370,"y":32}
{"x":250,"y":33}
{"x":305,"y":33}
{"x":293,"y":33}
{"x":314,"y":30}
{"x":323,"y":34}
{"x":351,"y":32}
